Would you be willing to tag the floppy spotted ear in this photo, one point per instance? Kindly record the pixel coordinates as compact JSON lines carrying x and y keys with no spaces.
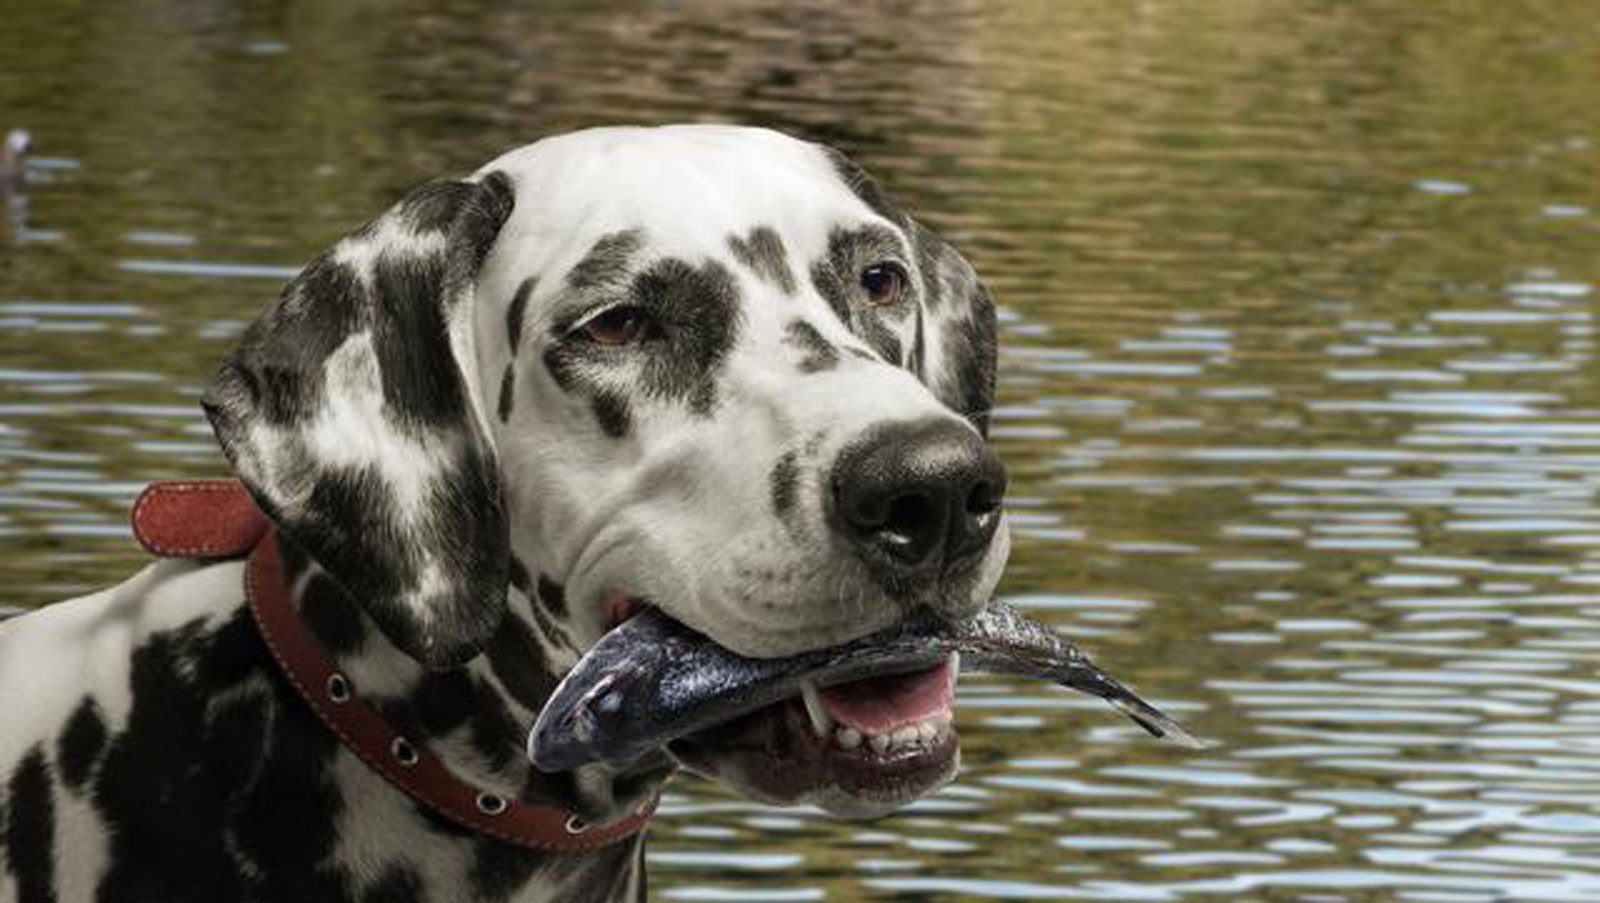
{"x":954,"y":350}
{"x":351,"y":412}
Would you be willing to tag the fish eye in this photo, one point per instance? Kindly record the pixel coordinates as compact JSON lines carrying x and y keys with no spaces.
{"x":884,"y":283}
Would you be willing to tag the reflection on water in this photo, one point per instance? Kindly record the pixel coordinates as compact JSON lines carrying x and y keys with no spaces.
{"x":1299,"y":388}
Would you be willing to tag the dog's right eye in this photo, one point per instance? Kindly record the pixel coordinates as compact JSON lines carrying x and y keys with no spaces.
{"x":624,"y":324}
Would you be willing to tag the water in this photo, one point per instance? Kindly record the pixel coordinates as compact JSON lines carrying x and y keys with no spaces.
{"x":1299,"y":386}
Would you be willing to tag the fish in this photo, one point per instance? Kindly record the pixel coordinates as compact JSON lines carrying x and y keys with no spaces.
{"x":653,"y":680}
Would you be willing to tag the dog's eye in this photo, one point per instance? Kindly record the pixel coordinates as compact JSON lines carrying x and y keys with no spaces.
{"x":885,"y":283}
{"x":624,"y":324}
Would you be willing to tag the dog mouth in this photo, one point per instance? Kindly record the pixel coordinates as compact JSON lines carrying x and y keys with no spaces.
{"x":856,"y":749}
{"x":858,"y":728}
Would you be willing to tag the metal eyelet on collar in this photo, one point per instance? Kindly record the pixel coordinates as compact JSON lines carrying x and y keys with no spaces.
{"x":489,"y":804}
{"x":403,"y":752}
{"x":575,"y":825}
{"x":338,"y":687}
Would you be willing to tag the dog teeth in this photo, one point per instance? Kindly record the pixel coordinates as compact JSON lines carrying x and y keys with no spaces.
{"x":921,"y":734}
{"x":821,"y":721}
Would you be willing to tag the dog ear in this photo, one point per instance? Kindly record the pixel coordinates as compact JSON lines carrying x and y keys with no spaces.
{"x":352,"y":411}
{"x":954,"y":353}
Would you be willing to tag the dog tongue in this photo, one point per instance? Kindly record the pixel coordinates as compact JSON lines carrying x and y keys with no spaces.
{"x":877,"y":705}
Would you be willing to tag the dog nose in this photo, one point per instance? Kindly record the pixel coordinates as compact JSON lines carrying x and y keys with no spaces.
{"x":917,"y":495}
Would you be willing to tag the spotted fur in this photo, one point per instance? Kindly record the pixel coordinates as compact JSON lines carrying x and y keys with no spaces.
{"x":462,"y":481}
{"x":762,"y":251}
{"x":816,"y":354}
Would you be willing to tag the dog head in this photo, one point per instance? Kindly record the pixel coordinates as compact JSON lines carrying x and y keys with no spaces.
{"x":708,"y":369}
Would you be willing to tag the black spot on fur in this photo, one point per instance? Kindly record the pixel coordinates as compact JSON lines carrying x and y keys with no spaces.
{"x":499,"y":869}
{"x":516,"y":312}
{"x":348,"y":508}
{"x":235,"y":725}
{"x":698,"y":309}
{"x":607,"y":262}
{"x":929,"y":250}
{"x":295,"y":787}
{"x":507,"y":382}
{"x":421,"y":382}
{"x":295,"y":560}
{"x":81,"y":743}
{"x":498,"y":738}
{"x":785,"y":483}
{"x":397,"y":884}
{"x":520,"y":577}
{"x":864,"y":186}
{"x":30,"y":830}
{"x":518,"y":662}
{"x":434,"y":206}
{"x":817,"y":354}
{"x":553,"y":596}
{"x":231,"y":655}
{"x":882,"y":338}
{"x":189,"y":792}
{"x":561,"y":361}
{"x":611,"y":411}
{"x":548,"y":606}
{"x":331,"y":616}
{"x":834,"y":290}
{"x":969,"y":349}
{"x":478,"y":225}
{"x":696,"y":316}
{"x":763,"y":252}
{"x":918,"y":361}
{"x":439,"y":703}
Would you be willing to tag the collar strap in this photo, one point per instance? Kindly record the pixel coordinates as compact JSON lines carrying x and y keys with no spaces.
{"x":218,"y":519}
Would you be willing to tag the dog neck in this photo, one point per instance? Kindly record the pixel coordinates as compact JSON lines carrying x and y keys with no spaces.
{"x":474,"y":718}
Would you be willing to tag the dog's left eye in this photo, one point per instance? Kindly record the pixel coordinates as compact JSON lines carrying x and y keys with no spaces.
{"x":624,"y":324}
{"x":885,"y":283}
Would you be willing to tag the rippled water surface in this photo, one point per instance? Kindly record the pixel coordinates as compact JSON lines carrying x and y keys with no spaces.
{"x":1299,"y":389}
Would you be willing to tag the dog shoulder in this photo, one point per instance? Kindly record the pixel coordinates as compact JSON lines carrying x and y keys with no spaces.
{"x":109,"y":699}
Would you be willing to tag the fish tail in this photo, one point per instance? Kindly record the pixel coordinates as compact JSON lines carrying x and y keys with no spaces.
{"x":1152,"y":719}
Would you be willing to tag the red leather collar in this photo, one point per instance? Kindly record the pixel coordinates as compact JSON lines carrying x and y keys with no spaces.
{"x":218,"y":519}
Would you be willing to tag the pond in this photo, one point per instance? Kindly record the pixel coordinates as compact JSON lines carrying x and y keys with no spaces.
{"x":1298,"y":393}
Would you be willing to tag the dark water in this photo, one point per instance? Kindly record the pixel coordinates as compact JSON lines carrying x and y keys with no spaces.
{"x":1299,"y":392}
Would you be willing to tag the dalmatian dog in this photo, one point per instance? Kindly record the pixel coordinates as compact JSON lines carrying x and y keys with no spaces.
{"x":708,"y":369}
